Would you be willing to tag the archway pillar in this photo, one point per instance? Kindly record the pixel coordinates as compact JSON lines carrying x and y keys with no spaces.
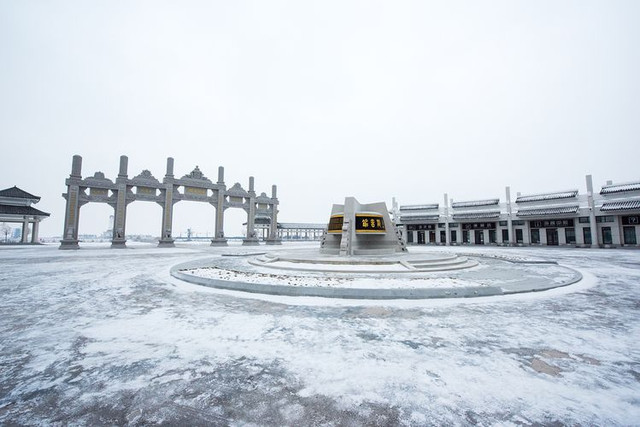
{"x":219,"y":239}
{"x":252,"y":238}
{"x":166,"y":238}
{"x":72,"y":210}
{"x":274,"y":238}
{"x":120,"y":216}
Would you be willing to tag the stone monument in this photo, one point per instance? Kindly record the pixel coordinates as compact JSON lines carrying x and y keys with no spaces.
{"x":361,"y":229}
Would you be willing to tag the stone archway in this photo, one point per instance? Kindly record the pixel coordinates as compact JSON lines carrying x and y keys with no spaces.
{"x":194,"y":186}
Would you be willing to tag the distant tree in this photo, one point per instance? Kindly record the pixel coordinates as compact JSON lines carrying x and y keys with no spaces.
{"x":6,"y":230}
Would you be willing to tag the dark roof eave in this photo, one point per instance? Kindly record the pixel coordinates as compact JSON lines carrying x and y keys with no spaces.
{"x":17,"y":193}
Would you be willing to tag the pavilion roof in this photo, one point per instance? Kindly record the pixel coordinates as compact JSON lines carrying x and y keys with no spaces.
{"x":21,"y":210}
{"x":17,"y":193}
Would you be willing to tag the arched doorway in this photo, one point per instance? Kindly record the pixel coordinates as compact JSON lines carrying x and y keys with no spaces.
{"x":144,"y":221}
{"x":193,"y":221}
{"x":95,"y":223}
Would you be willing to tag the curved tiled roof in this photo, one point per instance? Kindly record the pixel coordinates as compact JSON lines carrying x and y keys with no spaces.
{"x":547,"y":196}
{"x":621,"y":206}
{"x":619,"y":188}
{"x":419,"y":207}
{"x":475,"y":203}
{"x":548,"y":211}
{"x":21,"y":210}
{"x":419,"y":217}
{"x":476,"y":215}
{"x":15,"y":192}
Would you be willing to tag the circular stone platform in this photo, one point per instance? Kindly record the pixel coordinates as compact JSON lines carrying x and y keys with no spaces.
{"x":402,"y":276}
{"x":311,"y":260}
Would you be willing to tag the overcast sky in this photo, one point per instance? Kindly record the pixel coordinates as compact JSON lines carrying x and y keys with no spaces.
{"x":325,"y":99}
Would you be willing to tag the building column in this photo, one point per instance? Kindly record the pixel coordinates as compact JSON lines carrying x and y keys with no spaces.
{"x":219,"y":239}
{"x":35,"y":230}
{"x":526,"y":238}
{"x":510,"y":234}
{"x":120,"y":216}
{"x":25,"y":231}
{"x":251,"y":239}
{"x":72,"y":210}
{"x":274,"y":238}
{"x":593,"y":225}
{"x":166,"y":238}
{"x":447,"y":234}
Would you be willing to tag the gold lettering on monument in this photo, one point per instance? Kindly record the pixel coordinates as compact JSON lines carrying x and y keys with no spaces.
{"x":98,"y":191}
{"x":370,"y":223}
{"x":73,"y":205}
{"x":146,"y":191}
{"x":195,"y":191}
{"x":335,"y":224}
{"x":120,"y":211}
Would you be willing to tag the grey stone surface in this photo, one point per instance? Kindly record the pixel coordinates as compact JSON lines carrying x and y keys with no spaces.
{"x":494,"y":277}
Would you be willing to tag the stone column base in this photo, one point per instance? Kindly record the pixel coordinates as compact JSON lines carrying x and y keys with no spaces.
{"x":219,"y":241}
{"x":250,"y":242}
{"x":273,"y":241}
{"x":166,"y":243}
{"x":69,"y":244}
{"x":118,"y":244}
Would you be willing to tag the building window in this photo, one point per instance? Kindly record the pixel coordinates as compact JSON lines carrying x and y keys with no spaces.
{"x":586,"y":234}
{"x":505,"y":236}
{"x":606,"y":236}
{"x":517,"y":222}
{"x":583,"y":220}
{"x":492,"y":236}
{"x":409,"y":236}
{"x":465,"y":236}
{"x":607,"y":218}
{"x":454,"y":236}
{"x":535,"y":235}
{"x":503,"y":223}
{"x":519,"y":238}
{"x":453,"y":225}
{"x":629,"y":235}
{"x":570,"y":235}
{"x":441,"y":225}
{"x":443,"y":236}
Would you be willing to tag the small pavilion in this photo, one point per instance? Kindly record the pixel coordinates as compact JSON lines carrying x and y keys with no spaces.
{"x":15,"y":206}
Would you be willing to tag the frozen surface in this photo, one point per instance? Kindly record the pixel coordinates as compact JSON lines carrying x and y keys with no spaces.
{"x":100,"y":336}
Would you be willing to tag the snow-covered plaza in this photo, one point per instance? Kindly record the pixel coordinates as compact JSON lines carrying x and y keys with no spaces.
{"x":101,"y":336}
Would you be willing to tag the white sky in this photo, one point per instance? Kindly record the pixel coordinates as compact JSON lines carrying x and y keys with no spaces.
{"x":325,"y":99}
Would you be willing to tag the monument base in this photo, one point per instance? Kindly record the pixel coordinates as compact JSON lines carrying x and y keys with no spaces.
{"x":69,"y":244}
{"x":273,"y":241}
{"x":166,"y":243}
{"x":118,"y":244}
{"x":219,"y":241}
{"x":250,"y":242}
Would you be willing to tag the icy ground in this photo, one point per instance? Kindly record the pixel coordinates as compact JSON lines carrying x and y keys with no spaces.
{"x":100,"y":336}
